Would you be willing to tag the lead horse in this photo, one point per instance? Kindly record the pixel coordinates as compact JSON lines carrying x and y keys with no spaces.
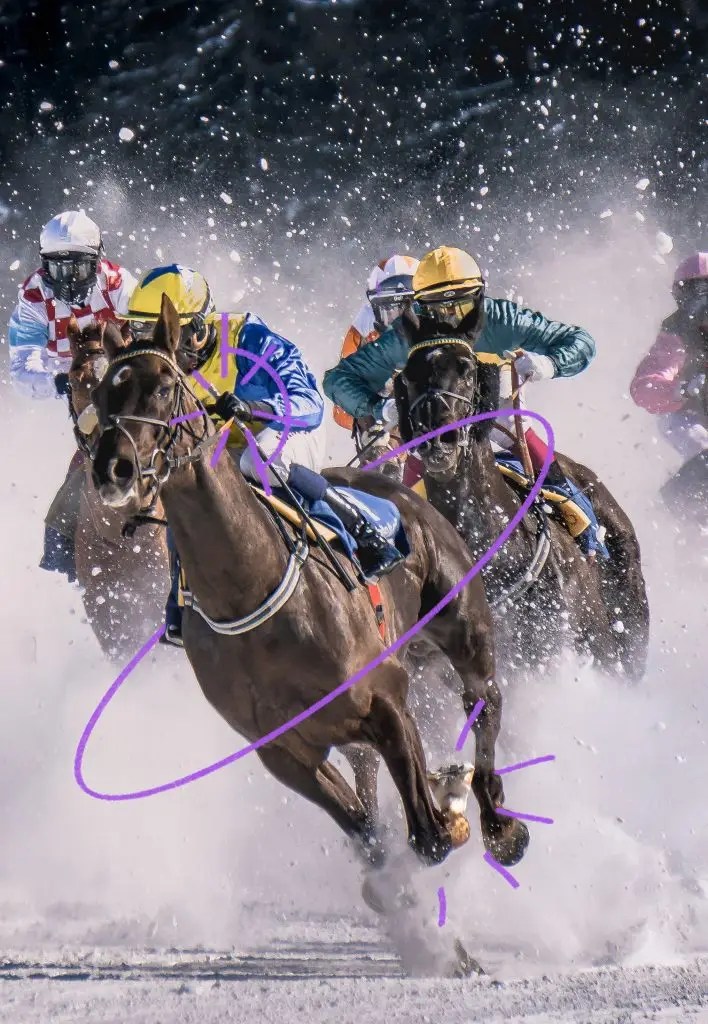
{"x":237,"y":564}
{"x":541,"y":608}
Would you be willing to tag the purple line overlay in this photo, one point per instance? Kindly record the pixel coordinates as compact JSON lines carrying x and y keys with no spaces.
{"x":524,"y":764}
{"x":474,"y":715}
{"x":202,"y":380}
{"x":502,"y":870}
{"x":259,"y":362}
{"x":361,"y":673}
{"x":260,"y":466}
{"x":524,"y":817}
{"x":187,"y":416}
{"x":442,"y":914}
{"x":220,"y":444}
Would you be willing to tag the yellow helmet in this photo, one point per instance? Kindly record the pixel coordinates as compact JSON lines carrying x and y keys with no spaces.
{"x":446,"y":270}
{"x":188,"y":290}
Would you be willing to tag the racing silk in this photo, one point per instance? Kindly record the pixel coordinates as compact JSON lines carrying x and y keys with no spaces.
{"x":227,"y":372}
{"x":38,"y":341}
{"x":655,"y":383}
{"x":361,"y":332}
{"x":354,"y":383}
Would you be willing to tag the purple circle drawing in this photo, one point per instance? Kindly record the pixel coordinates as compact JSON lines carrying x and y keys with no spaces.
{"x":348,"y":683}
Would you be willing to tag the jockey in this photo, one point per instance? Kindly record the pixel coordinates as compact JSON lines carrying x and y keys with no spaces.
{"x":255,"y":400}
{"x":74,"y":280}
{"x":449,"y":294}
{"x":389,"y":287}
{"x":670,"y":379}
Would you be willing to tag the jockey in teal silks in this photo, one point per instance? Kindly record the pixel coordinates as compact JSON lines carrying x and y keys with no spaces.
{"x":249,"y":393}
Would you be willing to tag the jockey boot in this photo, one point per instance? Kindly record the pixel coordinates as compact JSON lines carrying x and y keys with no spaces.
{"x":377,"y":555}
{"x":59,"y":554}
{"x":173,"y":610}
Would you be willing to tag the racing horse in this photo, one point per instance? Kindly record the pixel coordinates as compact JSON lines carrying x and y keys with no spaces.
{"x":123,"y":594}
{"x":545,"y":594}
{"x":269,"y":628}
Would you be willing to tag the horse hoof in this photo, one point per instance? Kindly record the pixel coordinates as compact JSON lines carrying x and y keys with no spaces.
{"x":458,"y":828}
{"x":509,"y":845}
{"x":463,"y":966}
{"x":371,"y":897}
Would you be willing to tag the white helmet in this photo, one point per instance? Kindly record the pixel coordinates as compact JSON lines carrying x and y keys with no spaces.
{"x":390,"y":288}
{"x":71,"y":231}
{"x":70,"y":246}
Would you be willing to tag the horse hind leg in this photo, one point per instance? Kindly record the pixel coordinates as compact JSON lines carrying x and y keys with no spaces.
{"x":319,"y":782}
{"x":365,"y":763}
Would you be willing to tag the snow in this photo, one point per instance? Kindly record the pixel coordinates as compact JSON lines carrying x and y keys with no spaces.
{"x":126,"y":134}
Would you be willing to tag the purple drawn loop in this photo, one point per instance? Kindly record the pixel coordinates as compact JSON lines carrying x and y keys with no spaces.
{"x":347,"y":684}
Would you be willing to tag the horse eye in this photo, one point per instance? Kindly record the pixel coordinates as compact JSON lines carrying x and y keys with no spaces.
{"x":165,"y":391}
{"x":464,"y":365}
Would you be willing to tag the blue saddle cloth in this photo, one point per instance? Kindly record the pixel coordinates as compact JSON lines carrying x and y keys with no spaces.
{"x":380,"y":512}
{"x":588,"y":539}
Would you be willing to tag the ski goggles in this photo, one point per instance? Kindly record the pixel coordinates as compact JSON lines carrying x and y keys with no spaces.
{"x":452,"y":308}
{"x":71,"y":268}
{"x":388,"y":308}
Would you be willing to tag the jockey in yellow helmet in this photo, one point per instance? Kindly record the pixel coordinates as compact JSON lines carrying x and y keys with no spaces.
{"x":251,"y":394}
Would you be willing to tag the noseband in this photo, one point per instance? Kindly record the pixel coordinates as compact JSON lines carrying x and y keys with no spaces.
{"x":420,"y":411}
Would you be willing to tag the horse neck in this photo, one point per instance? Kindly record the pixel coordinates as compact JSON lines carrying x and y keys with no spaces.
{"x":476,"y":501}
{"x":229,"y":549}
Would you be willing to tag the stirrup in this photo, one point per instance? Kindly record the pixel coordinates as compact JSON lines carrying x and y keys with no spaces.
{"x":172,"y":636}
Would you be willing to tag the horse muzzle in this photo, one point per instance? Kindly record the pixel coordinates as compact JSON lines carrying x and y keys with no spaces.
{"x":439,"y":457}
{"x":117,"y":482}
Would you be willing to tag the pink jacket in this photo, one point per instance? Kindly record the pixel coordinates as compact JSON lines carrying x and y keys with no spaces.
{"x":654,"y":385}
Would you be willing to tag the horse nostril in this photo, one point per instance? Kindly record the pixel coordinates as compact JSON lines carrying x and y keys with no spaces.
{"x":120,"y":471}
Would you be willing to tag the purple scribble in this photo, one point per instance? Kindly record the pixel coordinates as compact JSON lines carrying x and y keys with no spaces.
{"x":224,"y":347}
{"x":187,"y":416}
{"x":201,"y":380}
{"x":524,"y":764}
{"x":523,"y":817}
{"x":262,"y":415}
{"x":361,"y":673}
{"x":220,"y":445}
{"x":260,"y":466}
{"x":260,"y":361}
{"x":443,"y":907}
{"x":502,"y":870}
{"x":474,"y":715}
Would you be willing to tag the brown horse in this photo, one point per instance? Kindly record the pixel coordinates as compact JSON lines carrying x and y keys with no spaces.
{"x":597,"y":608}
{"x":124,"y":580}
{"x":311,"y":633}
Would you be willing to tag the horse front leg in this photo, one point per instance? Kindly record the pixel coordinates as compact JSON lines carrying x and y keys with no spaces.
{"x":505,"y":838}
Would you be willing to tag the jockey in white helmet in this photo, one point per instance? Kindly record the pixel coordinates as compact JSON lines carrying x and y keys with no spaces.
{"x":389,"y":287}
{"x":73,"y":280}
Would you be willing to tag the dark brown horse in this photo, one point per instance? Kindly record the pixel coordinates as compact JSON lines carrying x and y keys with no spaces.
{"x":597,"y":608}
{"x":236,"y":563}
{"x":124,"y":580}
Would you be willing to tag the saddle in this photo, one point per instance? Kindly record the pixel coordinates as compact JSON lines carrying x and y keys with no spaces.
{"x":322,"y":524}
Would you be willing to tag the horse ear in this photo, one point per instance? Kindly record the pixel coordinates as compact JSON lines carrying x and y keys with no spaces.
{"x":473,"y":324}
{"x":400,"y":393}
{"x":112,"y":338}
{"x":488,"y":387}
{"x":167,"y":329}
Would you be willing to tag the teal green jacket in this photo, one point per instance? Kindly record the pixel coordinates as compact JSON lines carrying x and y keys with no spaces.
{"x":355,"y":383}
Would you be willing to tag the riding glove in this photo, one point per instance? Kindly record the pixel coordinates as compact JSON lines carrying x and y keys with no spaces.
{"x":532,"y":366}
{"x":61,"y":383}
{"x":387,"y":413}
{"x":229,"y":406}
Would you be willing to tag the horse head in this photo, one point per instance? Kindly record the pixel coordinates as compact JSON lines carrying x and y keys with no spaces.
{"x":444,"y":381}
{"x":141,"y":394}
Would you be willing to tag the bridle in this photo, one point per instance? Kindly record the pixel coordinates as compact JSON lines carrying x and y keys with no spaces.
{"x":162,"y":462}
{"x":421,"y":409}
